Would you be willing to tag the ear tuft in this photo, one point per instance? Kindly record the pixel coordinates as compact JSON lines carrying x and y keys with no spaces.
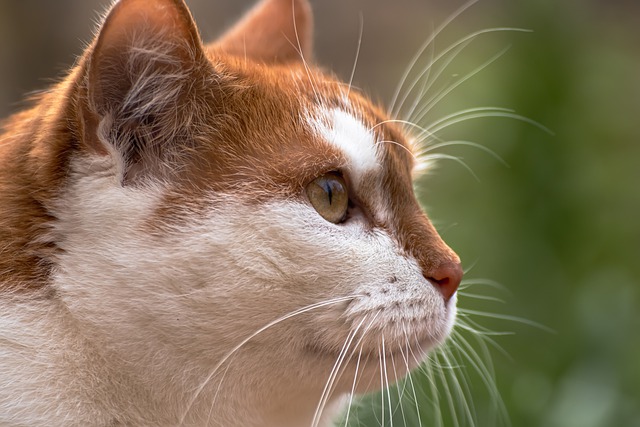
{"x":139,"y":37}
{"x":139,"y":80}
{"x":274,"y":31}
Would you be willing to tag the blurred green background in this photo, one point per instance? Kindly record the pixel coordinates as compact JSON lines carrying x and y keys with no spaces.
{"x":558,"y":226}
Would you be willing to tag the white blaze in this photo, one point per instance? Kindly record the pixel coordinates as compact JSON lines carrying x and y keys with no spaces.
{"x":351,"y":136}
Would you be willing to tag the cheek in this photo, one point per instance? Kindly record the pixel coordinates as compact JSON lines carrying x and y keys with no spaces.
{"x":281,"y":258}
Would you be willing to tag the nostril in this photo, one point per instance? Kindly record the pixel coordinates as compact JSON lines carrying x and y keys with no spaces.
{"x":446,"y":278}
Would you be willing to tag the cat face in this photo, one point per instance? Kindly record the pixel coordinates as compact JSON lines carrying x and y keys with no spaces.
{"x":230,"y":207}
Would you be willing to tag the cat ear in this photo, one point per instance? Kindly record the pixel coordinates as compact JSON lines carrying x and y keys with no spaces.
{"x":139,"y":80}
{"x":274,"y":31}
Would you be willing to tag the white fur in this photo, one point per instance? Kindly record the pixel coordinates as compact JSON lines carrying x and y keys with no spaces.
{"x":185,"y":322}
{"x":142,"y":318}
{"x":351,"y":136}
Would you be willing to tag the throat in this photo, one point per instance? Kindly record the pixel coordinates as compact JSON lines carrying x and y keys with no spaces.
{"x":302,"y":412}
{"x":263,"y":397}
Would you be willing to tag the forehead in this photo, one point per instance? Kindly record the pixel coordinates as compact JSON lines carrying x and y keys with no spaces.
{"x":344,"y":119}
{"x":280,"y":127}
{"x":345,"y":132}
{"x":374,"y":147}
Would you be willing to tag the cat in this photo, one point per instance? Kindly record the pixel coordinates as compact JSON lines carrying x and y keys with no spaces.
{"x":212,"y":234}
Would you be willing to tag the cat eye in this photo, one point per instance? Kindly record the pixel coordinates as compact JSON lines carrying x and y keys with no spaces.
{"x":328,"y":195}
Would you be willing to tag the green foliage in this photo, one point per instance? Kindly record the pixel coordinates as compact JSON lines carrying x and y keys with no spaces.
{"x":558,"y":227}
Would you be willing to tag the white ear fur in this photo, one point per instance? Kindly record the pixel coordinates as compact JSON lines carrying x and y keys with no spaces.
{"x":140,"y":82}
{"x":140,"y":40}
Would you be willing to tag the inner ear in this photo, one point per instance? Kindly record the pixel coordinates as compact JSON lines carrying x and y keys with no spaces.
{"x":139,"y":37}
{"x":142,"y":80}
{"x":274,"y":31}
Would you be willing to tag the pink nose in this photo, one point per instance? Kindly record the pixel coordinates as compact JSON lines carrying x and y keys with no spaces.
{"x":446,"y":278}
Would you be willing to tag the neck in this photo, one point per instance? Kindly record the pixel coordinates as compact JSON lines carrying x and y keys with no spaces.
{"x":259,"y":396}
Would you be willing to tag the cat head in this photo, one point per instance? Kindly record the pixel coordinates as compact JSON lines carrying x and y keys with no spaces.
{"x":231,"y":205}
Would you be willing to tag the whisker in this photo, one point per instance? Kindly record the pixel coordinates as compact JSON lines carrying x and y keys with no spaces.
{"x":465,"y":112}
{"x":338,"y":374}
{"x":287,"y":316}
{"x":435,"y":393}
{"x":469,"y":411}
{"x":447,"y":393}
{"x":399,"y":145}
{"x":353,"y":388}
{"x":427,"y":85}
{"x":463,"y":41}
{"x":484,"y":335}
{"x":467,"y":270}
{"x":431,"y":157}
{"x":434,"y":100}
{"x":424,"y":46}
{"x":469,"y":110}
{"x":400,"y":390}
{"x":467,"y":283}
{"x":326,"y":392}
{"x":508,"y":115}
{"x":480,"y":297}
{"x":410,"y":377}
{"x":298,"y":48}
{"x":507,"y":317}
{"x":492,"y":153}
{"x":355,"y":62}
{"x":485,"y":373}
{"x":400,"y":121}
{"x":381,"y":385}
{"x":386,"y":380}
{"x":426,"y":78}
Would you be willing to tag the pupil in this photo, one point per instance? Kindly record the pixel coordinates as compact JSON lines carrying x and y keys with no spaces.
{"x":329,"y":192}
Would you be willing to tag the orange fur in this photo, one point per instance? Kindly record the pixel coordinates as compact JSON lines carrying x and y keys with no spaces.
{"x":149,"y":100}
{"x":243,"y":131}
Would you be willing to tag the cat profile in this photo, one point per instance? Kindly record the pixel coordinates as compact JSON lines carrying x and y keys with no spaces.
{"x":209,"y":234}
